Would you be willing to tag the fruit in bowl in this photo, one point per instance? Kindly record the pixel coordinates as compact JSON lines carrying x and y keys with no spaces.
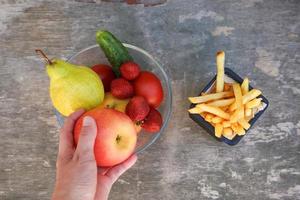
{"x":123,"y":81}
{"x":116,"y":136}
{"x":69,"y":83}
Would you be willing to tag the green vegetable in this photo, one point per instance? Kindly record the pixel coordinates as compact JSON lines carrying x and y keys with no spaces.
{"x":114,"y":50}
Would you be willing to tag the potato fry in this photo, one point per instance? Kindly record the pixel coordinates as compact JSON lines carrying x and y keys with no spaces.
{"x":244,"y":123}
{"x":237,"y":114}
{"x":228,"y":133}
{"x":251,"y":95}
{"x":208,"y":117}
{"x":222,"y":102}
{"x":240,"y":131}
{"x":216,"y":120}
{"x":214,"y":110}
{"x":238,"y":95}
{"x":195,"y":110}
{"x":226,"y":124}
{"x":210,"y":97}
{"x":245,"y":86}
{"x":227,"y":86}
{"x":248,"y":112}
{"x":220,"y":57}
{"x":218,"y":130}
{"x":253,"y":103}
{"x":246,"y":98}
{"x":225,"y":108}
{"x":232,"y":107}
{"x":234,"y":127}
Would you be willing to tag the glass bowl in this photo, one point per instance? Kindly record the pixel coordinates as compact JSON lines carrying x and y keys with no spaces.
{"x":94,"y":55}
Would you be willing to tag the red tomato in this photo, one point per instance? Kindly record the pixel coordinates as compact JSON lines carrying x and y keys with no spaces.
{"x":106,"y":74}
{"x":149,"y":86}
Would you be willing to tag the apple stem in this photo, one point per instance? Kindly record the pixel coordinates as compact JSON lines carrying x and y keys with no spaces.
{"x":43,"y":56}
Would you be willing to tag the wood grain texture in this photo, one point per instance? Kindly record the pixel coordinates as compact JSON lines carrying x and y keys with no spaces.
{"x":262,"y":41}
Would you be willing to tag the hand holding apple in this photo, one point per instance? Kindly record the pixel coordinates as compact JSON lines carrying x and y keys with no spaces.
{"x":116,"y":136}
{"x":77,"y":174}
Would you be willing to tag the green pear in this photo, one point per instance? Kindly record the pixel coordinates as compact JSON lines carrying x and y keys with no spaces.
{"x":73,"y":87}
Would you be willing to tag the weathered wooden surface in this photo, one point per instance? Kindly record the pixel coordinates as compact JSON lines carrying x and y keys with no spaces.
{"x":262,"y":41}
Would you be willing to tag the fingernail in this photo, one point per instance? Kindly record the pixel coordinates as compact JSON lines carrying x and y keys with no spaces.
{"x":87,"y":121}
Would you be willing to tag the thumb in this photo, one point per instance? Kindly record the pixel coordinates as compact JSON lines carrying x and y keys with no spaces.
{"x":85,"y":147}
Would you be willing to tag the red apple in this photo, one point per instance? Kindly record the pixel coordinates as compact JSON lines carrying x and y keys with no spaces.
{"x":149,"y":86}
{"x":106,"y":74}
{"x":116,"y":136}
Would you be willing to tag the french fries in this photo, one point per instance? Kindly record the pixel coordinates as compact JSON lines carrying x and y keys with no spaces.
{"x":243,"y":122}
{"x":253,"y":103}
{"x":248,"y":112}
{"x":245,"y":86}
{"x":251,"y":95}
{"x":220,"y":71}
{"x":246,"y":98}
{"x":222,"y":102}
{"x":210,"y":97}
{"x":214,"y":110}
{"x":195,"y":110}
{"x":226,"y":124}
{"x":216,"y":120}
{"x":208,"y":117}
{"x":218,"y":130}
{"x":227,"y":86}
{"x":228,"y":107}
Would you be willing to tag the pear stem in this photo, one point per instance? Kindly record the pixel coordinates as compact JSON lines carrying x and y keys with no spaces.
{"x":43,"y":56}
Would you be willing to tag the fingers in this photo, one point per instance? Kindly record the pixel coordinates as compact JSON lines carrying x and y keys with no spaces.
{"x":85,"y":146}
{"x":102,"y":170}
{"x":66,"y":143}
{"x":115,"y":172}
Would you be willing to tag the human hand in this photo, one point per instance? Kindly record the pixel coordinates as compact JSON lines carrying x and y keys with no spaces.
{"x":78,"y":177}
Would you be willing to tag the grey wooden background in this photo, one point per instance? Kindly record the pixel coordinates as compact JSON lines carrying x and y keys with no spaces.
{"x":262,"y":41}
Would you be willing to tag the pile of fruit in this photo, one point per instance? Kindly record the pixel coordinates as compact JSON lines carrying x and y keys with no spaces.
{"x":123,"y":99}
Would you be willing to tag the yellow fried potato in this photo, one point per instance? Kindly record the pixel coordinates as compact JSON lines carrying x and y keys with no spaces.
{"x":245,"y":86}
{"x":226,"y":124}
{"x":240,"y":130}
{"x":222,"y":102}
{"x":251,"y":95}
{"x":238,"y":95}
{"x":246,"y":98}
{"x":237,"y":114}
{"x":234,"y":127}
{"x":248,"y":112}
{"x":227,"y":86}
{"x":220,"y":57}
{"x":253,"y":103}
{"x":225,"y":108}
{"x":214,"y":110}
{"x":216,"y":120}
{"x":210,"y":97}
{"x":195,"y":110}
{"x":208,"y":117}
{"x":244,"y":123}
{"x":218,"y":130}
{"x":228,"y":133}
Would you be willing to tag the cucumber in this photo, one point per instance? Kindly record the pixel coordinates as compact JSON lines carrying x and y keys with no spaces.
{"x":113,"y":49}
